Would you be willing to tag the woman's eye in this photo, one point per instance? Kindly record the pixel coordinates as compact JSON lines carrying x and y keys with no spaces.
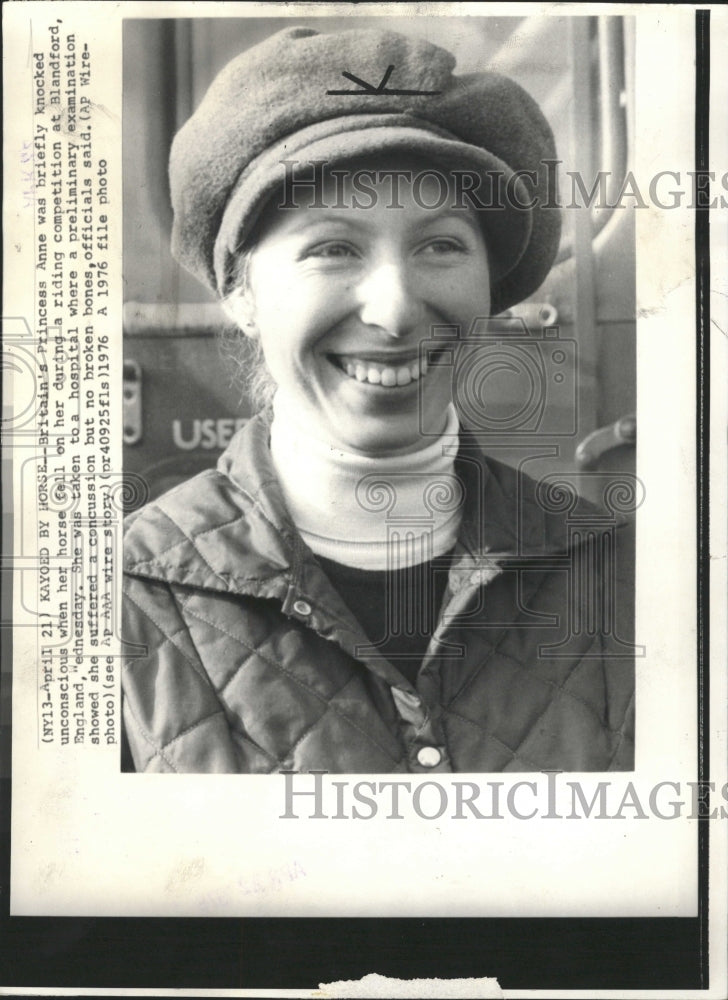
{"x":444,"y":246}
{"x":332,"y":251}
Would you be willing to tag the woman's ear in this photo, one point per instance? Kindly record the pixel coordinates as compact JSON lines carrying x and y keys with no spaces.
{"x":238,"y":307}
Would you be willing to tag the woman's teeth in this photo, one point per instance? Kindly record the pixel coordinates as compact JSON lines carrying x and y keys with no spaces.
{"x":386,"y":375}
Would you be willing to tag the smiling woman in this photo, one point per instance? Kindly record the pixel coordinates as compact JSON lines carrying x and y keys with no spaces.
{"x":356,"y":587}
{"x":365,"y":284}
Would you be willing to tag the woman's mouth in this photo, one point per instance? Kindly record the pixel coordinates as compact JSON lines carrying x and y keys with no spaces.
{"x":380,"y":373}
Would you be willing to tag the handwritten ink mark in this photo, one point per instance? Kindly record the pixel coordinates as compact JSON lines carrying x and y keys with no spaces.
{"x":380,"y":89}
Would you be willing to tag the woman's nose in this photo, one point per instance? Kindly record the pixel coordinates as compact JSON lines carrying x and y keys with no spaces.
{"x":389,"y":302}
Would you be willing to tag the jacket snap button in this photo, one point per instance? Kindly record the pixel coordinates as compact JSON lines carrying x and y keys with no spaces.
{"x":302,"y":607}
{"x":429,"y":756}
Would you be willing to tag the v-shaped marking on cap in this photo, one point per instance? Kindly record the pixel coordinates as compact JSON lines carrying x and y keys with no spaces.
{"x":380,"y":89}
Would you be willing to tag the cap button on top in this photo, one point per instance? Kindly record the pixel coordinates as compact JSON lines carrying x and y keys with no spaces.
{"x":429,"y":756}
{"x":302,"y":607}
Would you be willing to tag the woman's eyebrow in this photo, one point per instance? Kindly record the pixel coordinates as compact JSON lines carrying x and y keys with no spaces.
{"x":312,"y":218}
{"x":306,"y":219}
{"x":464,"y":214}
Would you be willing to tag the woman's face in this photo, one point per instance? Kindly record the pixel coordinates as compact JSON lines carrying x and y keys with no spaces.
{"x":343,"y":296}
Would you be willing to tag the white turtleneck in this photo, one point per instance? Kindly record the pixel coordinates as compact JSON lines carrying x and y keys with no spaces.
{"x":373,"y":513}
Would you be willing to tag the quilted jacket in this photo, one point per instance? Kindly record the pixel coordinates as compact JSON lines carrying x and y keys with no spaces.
{"x":241,"y":657}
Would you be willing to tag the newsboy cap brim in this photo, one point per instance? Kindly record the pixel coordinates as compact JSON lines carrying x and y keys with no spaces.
{"x":283,"y":101}
{"x":354,"y":137}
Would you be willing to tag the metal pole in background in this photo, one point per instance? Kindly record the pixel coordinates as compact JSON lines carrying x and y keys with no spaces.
{"x":583,"y":130}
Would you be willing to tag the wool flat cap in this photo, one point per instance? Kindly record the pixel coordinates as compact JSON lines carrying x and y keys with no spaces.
{"x":303,"y":97}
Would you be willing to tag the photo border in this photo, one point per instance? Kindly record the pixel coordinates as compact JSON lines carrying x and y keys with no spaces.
{"x":563,"y":953}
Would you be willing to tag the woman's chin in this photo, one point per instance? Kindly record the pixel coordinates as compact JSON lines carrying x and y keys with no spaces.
{"x":374,"y":419}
